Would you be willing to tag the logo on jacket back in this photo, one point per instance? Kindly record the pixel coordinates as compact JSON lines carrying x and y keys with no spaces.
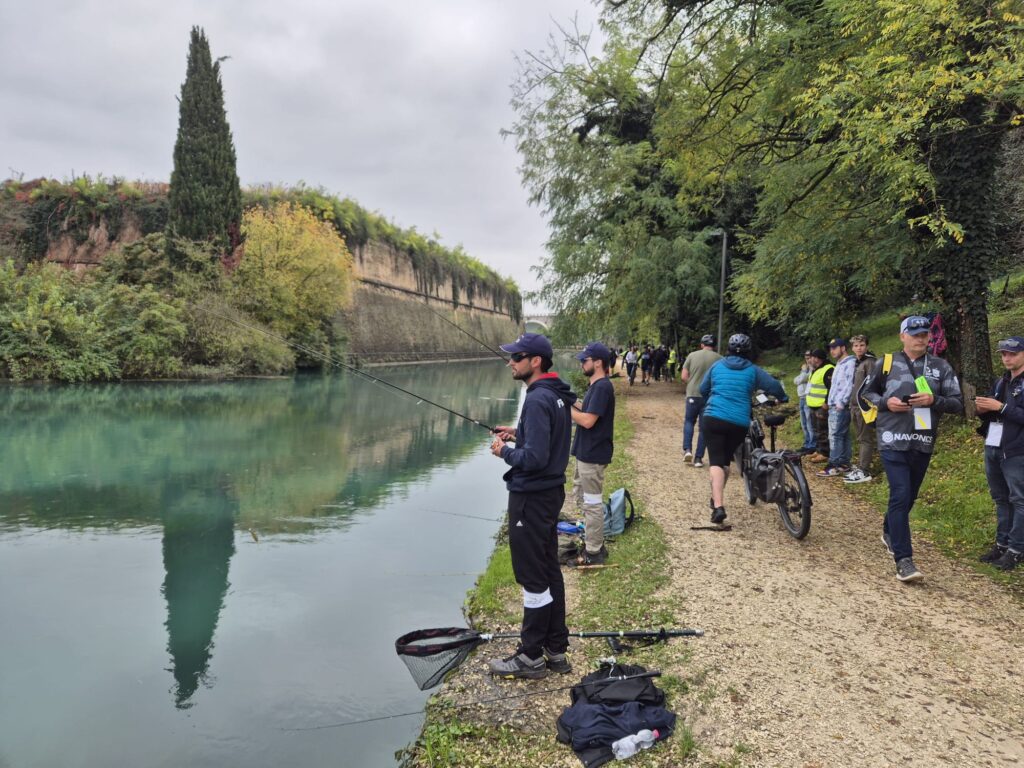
{"x":890,"y":437}
{"x":561,"y":404}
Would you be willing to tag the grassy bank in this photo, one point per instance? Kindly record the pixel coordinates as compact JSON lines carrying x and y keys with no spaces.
{"x":954,"y":509}
{"x":630,"y":595}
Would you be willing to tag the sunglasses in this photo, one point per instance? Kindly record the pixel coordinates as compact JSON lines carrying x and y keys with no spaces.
{"x":518,"y":357}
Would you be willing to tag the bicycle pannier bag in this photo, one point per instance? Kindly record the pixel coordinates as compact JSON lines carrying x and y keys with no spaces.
{"x":615,"y":518}
{"x":769,"y":474}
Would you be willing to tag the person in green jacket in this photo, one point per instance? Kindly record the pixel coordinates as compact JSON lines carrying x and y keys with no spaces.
{"x":673,"y":360}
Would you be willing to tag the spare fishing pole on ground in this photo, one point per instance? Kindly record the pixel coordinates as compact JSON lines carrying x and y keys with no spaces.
{"x":476,"y":702}
{"x":344,"y":366}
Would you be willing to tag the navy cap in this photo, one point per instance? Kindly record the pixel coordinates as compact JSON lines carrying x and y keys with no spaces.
{"x":530,"y":344}
{"x":596,"y":350}
{"x":1012,"y":344}
{"x":838,"y":341}
{"x":915,"y":325}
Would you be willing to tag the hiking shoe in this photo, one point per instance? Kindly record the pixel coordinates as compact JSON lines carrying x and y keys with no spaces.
{"x":993,"y":554}
{"x":817,"y":458}
{"x":698,"y":464}
{"x":687,"y":456}
{"x":830,"y":472}
{"x":518,"y":666}
{"x":1009,"y":560}
{"x":857,"y":475}
{"x":907,"y":571}
{"x":557,"y":662}
{"x":718,"y":515}
{"x":589,"y":558}
{"x":888,"y":544}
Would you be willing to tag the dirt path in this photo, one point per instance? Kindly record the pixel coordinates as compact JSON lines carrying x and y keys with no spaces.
{"x":815,"y":655}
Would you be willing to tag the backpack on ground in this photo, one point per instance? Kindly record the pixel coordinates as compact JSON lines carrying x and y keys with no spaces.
{"x":615,"y":518}
{"x":868,"y":410}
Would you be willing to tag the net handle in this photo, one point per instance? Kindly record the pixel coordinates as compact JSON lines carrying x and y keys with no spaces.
{"x":632,"y":633}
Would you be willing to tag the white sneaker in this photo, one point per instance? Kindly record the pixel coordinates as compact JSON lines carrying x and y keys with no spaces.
{"x":857,"y":475}
{"x":687,"y":456}
{"x":698,"y":464}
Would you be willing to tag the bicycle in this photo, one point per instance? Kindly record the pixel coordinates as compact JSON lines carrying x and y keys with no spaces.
{"x":775,"y":477}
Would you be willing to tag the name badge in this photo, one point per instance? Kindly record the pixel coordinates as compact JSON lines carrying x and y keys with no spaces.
{"x":995,"y":434}
{"x":923,"y":418}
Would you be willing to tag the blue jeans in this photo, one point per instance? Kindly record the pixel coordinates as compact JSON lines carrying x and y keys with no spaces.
{"x":1006,"y":484}
{"x":840,"y":442}
{"x":807,"y":424}
{"x":694,"y":405}
{"x":905,"y":471}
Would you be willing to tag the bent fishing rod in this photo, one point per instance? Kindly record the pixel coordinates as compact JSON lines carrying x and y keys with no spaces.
{"x":344,"y":366}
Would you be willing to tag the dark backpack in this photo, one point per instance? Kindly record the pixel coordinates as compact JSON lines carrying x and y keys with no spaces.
{"x":769,"y":475}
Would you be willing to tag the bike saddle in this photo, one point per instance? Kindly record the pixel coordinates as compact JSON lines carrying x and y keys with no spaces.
{"x":774,"y":419}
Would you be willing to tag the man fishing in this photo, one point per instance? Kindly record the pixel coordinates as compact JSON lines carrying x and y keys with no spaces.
{"x":536,"y":491}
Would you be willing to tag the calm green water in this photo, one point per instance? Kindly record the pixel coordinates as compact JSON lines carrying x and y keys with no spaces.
{"x":189,"y":570}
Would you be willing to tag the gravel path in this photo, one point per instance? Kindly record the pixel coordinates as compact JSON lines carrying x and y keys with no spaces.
{"x":815,"y":655}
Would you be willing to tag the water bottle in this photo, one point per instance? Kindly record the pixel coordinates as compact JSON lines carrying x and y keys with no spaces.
{"x":628,"y":746}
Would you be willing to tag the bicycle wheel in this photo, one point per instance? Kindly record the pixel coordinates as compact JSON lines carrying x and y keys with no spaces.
{"x":795,"y":508}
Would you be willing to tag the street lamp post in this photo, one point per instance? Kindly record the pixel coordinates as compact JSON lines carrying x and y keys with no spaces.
{"x":721,"y":285}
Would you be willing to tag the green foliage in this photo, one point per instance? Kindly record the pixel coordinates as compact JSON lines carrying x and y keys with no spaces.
{"x":295,"y":277}
{"x":849,"y":147}
{"x":205,"y":200}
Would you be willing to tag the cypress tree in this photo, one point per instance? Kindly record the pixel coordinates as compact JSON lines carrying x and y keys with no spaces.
{"x":205,"y":199}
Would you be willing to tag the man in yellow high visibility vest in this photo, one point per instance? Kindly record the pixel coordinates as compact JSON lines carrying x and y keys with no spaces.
{"x":818,"y":386}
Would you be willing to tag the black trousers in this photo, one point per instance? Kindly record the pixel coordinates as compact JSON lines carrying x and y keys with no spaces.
{"x":533,"y":540}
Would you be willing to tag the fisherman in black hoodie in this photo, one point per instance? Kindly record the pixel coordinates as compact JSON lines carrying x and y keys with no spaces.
{"x":536,"y":490}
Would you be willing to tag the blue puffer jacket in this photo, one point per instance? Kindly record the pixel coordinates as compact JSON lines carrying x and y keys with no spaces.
{"x":728,"y":386}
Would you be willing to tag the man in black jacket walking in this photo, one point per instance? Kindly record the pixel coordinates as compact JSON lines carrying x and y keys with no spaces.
{"x":1003,"y":417}
{"x":536,"y":490}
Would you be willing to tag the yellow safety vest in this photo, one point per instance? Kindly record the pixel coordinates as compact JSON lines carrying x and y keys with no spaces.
{"x":817,"y":392}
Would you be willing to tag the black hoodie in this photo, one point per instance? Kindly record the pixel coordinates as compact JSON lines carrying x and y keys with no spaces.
{"x":542,"y":437}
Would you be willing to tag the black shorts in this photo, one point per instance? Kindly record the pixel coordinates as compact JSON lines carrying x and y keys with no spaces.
{"x":722,"y":439}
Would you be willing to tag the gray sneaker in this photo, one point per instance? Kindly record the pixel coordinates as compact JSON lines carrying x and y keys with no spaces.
{"x":888,"y":544}
{"x":907,"y":571}
{"x":857,"y":475}
{"x":1009,"y":560}
{"x":557,"y":662}
{"x":993,"y":554}
{"x":519,"y":665}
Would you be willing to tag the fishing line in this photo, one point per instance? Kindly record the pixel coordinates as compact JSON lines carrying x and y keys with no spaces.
{"x":352,"y":369}
{"x":616,"y":678}
{"x":474,"y":338}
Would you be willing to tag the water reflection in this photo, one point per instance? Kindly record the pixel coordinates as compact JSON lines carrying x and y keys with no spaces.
{"x":278,"y":458}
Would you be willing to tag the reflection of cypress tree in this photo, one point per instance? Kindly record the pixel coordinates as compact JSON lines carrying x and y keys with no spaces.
{"x":198,"y":546}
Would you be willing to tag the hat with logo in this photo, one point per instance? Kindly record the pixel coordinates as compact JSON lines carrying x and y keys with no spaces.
{"x":915,"y":325}
{"x":596,"y":350}
{"x":838,"y":341}
{"x":530,"y":344}
{"x":1012,"y":344}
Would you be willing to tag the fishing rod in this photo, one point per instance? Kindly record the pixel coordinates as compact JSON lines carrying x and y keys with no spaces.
{"x":352,"y":369}
{"x":613,"y":678}
{"x":474,"y":338}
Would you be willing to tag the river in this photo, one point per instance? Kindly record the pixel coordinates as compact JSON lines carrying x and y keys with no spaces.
{"x":189,"y":571}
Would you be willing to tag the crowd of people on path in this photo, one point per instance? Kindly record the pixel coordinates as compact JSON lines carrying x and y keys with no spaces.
{"x":892,"y":403}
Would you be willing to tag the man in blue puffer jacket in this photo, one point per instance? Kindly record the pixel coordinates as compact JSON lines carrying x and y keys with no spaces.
{"x":727,"y":389}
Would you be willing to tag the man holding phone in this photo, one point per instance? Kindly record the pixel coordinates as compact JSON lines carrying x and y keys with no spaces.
{"x":910,"y":397}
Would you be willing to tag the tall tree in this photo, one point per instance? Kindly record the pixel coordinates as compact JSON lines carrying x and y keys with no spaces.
{"x":205,"y":198}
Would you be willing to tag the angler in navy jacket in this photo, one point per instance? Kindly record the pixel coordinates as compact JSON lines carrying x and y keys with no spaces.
{"x":1002,"y":415}
{"x":536,"y":490}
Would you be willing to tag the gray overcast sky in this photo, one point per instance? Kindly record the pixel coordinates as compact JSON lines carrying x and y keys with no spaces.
{"x":395,"y":104}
